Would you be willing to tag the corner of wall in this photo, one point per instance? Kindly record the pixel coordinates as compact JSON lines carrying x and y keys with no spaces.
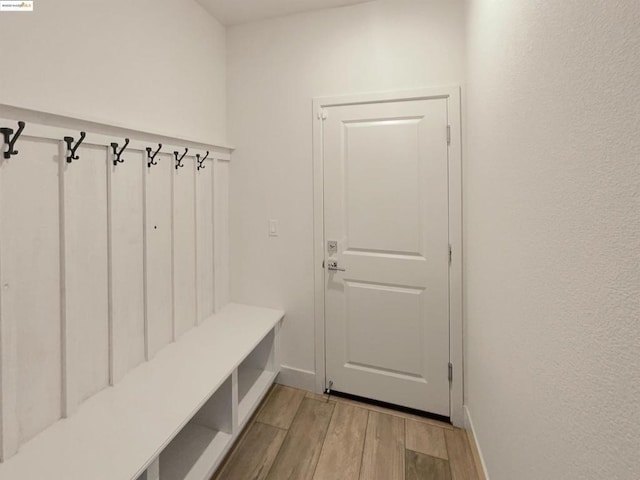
{"x":297,"y":378}
{"x":478,"y":458}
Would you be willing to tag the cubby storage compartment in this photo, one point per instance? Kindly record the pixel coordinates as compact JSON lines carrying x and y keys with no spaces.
{"x":255,"y":375}
{"x":172,"y":418}
{"x":199,"y":447}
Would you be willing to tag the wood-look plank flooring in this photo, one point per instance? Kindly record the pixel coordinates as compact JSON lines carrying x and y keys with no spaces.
{"x":297,"y":435}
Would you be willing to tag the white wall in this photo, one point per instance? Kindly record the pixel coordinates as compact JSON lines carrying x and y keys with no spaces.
{"x":552,"y":235}
{"x":144,"y":64}
{"x":275,"y":68}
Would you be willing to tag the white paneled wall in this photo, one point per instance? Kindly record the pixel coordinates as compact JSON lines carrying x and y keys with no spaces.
{"x":159,"y":253}
{"x":204,"y":240}
{"x":101,"y":265}
{"x":126,"y":260}
{"x":30,"y":298}
{"x":83,"y":186}
{"x":184,"y":251}
{"x":221,"y":234}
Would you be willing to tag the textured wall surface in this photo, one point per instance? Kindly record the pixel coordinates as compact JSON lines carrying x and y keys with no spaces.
{"x":552,"y":237}
{"x":275,"y":68}
{"x":143,"y":64}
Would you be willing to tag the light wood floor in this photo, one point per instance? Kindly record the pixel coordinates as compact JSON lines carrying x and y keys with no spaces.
{"x":298,"y":435}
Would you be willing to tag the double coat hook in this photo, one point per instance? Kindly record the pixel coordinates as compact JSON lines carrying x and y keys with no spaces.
{"x":151,"y":158}
{"x":179,"y":163}
{"x":11,"y":142}
{"x":71,"y":150}
{"x":117,"y":154}
{"x":201,"y":161}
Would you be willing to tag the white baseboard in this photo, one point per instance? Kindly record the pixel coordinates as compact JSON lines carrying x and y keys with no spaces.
{"x":468,"y":423}
{"x":294,"y":377}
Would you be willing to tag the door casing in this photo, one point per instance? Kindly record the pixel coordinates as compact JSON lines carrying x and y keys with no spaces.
{"x":452,"y":94}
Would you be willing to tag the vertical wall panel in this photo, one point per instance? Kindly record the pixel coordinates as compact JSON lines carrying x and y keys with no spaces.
{"x":159,"y":283}
{"x":30,"y":260}
{"x":85,"y":275}
{"x":184,"y":246}
{"x":204,"y":228}
{"x":127,"y":276}
{"x":9,"y":433}
{"x":221,"y":232}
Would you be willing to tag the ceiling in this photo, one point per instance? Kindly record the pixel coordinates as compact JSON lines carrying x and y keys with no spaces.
{"x":233,"y":12}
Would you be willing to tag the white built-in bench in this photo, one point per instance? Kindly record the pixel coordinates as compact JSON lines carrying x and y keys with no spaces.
{"x":172,"y":418}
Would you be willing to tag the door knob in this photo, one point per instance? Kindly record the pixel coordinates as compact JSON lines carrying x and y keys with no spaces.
{"x":332,"y":265}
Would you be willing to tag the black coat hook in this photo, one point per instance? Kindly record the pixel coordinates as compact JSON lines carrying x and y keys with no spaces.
{"x":179,"y":160}
{"x":11,"y":143}
{"x":201,"y":162}
{"x":117,"y":154}
{"x":151,"y":158}
{"x":71,"y":150}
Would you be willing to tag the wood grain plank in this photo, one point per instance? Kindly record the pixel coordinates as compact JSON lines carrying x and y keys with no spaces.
{"x":460,"y":456}
{"x":301,"y":449}
{"x":254,"y":455}
{"x":342,"y":451}
{"x":281,"y":407}
{"x":421,"y":467}
{"x":383,"y":457}
{"x":394,"y":413}
{"x":322,"y":397}
{"x":426,"y":439}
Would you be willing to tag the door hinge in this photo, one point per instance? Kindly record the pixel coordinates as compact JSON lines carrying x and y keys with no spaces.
{"x":322,"y":263}
{"x":322,"y":114}
{"x":450,"y":254}
{"x":450,"y":372}
{"x":448,"y":134}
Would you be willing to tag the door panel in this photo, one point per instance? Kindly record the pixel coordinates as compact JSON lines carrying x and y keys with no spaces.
{"x":369,"y":306}
{"x":383,"y":211}
{"x":386,"y":206}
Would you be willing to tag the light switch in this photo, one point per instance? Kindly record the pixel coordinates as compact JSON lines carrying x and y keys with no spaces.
{"x":273,"y":228}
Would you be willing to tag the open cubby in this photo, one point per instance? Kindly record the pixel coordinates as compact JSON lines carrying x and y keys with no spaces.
{"x":255,"y":375}
{"x":196,"y":451}
{"x":182,"y":413}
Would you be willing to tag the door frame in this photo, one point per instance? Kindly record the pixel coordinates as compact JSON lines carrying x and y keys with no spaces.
{"x":452,"y":94}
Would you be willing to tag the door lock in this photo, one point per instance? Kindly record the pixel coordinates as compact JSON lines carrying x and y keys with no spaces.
{"x":332,"y":265}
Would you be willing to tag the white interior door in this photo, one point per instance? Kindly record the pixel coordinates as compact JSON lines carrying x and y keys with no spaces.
{"x":386,"y":226}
